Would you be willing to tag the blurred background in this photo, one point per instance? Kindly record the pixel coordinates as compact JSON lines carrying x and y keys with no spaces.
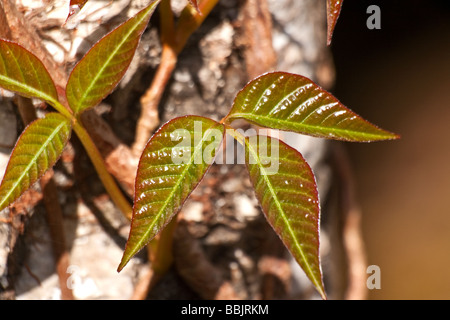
{"x":398,"y":77}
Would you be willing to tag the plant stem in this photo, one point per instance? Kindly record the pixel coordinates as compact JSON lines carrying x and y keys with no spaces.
{"x":159,"y":252}
{"x":234,"y":133}
{"x":161,"y":249}
{"x":190,"y":20}
{"x":149,"y":101}
{"x":167,"y":23}
{"x":108,"y":181}
{"x":173,"y":40}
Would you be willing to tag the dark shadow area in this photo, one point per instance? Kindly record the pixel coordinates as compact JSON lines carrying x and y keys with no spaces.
{"x":398,"y":77}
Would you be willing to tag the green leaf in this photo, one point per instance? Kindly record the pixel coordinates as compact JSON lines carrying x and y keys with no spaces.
{"x":172,"y":164}
{"x":38,"y":148}
{"x":290,"y":102}
{"x":22,"y":72}
{"x":100,"y":70}
{"x":286,"y":189}
{"x":333,"y":12}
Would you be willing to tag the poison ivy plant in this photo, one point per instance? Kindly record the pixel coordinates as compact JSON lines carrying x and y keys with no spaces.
{"x":292,"y":102}
{"x":95,"y":76}
{"x":287,"y":192}
{"x":179,"y":154}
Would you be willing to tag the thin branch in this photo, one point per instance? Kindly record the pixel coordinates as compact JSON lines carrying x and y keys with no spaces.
{"x":148,"y":120}
{"x":53,"y":210}
{"x":107,"y":180}
{"x":173,"y":40}
{"x":190,"y":20}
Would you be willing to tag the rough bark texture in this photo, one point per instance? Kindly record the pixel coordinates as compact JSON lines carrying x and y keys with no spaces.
{"x":221,"y":231}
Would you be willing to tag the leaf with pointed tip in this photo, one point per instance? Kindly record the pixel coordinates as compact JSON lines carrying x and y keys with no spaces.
{"x":79,"y":3}
{"x":100,"y":70}
{"x":22,"y":72}
{"x":286,"y":189}
{"x":75,"y":7}
{"x":38,"y":148}
{"x":333,"y":12}
{"x":291,"y":102}
{"x":172,"y":164}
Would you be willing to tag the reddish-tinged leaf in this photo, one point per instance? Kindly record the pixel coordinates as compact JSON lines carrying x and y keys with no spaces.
{"x":37,"y":150}
{"x":333,"y":11}
{"x":286,"y":189}
{"x":79,"y":3}
{"x":172,"y":164}
{"x":99,"y":71}
{"x":76,"y":6}
{"x":290,"y":102}
{"x":22,"y":72}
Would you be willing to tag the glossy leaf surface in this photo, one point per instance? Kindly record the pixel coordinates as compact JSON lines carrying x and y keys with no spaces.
{"x":286,"y":189}
{"x":333,"y":12}
{"x":37,"y":150}
{"x":22,"y":72}
{"x":292,"y":102}
{"x":172,"y":164}
{"x":99,"y":71}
